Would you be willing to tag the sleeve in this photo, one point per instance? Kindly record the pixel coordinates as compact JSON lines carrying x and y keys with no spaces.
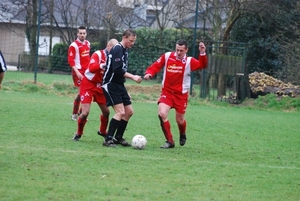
{"x":3,"y":66}
{"x":71,"y":56}
{"x":117,"y":60}
{"x":154,"y":68}
{"x":199,"y":64}
{"x":94,"y":64}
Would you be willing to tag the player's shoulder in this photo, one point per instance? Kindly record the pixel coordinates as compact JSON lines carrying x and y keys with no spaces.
{"x":169,"y":54}
{"x":116,"y":48}
{"x":74,"y":44}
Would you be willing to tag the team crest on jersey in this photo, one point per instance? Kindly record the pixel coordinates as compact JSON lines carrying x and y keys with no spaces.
{"x":92,"y":61}
{"x":71,"y":53}
{"x":183,"y":61}
{"x":117,"y":59}
{"x":85,"y":53}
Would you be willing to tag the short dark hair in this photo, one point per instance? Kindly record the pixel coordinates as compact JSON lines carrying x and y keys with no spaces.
{"x":81,"y":27}
{"x":129,"y":32}
{"x":182,"y":42}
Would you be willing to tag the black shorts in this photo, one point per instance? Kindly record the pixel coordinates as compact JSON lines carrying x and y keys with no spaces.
{"x":116,"y":94}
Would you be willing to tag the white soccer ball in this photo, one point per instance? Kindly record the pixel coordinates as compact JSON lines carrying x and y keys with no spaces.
{"x":139,"y":142}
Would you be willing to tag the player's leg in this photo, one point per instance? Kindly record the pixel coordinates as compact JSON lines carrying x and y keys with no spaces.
{"x":125,"y":118}
{"x":76,"y":102}
{"x":114,"y":124}
{"x":180,"y":107}
{"x":181,"y":123}
{"x":86,"y":95}
{"x":104,"y":117}
{"x":122,"y":126}
{"x":163,"y":111}
{"x":99,"y":98}
{"x":82,"y":119}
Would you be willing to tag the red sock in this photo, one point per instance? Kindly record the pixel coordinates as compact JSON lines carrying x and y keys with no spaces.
{"x":103,"y":124}
{"x":182,"y":128}
{"x":166,"y":127}
{"x":80,"y":125}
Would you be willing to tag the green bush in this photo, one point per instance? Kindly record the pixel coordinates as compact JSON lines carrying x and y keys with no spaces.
{"x":59,"y":60}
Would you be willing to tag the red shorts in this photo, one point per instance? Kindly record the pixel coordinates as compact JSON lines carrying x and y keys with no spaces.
{"x":76,"y":80}
{"x":91,"y":91}
{"x":174,"y":100}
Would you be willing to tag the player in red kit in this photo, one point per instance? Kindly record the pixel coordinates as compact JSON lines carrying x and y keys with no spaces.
{"x":90,"y":90}
{"x":78,"y":59}
{"x":177,"y":68}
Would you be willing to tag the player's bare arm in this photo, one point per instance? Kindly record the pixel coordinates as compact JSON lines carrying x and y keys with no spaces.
{"x":79,"y":75}
{"x":135,"y":78}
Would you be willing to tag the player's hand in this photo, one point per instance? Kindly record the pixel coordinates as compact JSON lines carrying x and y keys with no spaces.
{"x":147,"y":76}
{"x":103,"y":66}
{"x":80,"y":76}
{"x":202,"y":48}
{"x":137,"y":78}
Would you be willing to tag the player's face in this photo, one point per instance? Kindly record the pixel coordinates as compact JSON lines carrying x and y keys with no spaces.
{"x":81,"y":34}
{"x":181,"y":51}
{"x":129,"y":41}
{"x":108,"y":47}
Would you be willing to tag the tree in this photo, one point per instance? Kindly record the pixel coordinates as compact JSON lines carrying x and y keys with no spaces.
{"x":273,"y":36}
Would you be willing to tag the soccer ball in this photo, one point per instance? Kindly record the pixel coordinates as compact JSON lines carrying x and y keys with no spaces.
{"x":139,"y":142}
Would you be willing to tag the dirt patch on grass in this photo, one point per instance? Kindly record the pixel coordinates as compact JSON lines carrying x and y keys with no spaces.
{"x":148,"y":90}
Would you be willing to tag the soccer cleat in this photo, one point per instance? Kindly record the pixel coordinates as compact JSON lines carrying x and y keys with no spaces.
{"x":101,"y":134}
{"x":182,"y":139}
{"x":167,"y":145}
{"x":74,"y":117}
{"x":122,"y":142}
{"x":76,"y":137}
{"x":109,"y":143}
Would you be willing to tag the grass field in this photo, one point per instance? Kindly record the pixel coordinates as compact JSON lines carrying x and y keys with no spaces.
{"x":232,"y":153}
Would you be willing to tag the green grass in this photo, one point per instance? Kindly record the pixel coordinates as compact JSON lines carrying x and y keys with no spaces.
{"x":232,"y":152}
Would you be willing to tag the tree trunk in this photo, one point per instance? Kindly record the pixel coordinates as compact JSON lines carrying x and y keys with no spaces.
{"x":31,"y":28}
{"x":222,"y":85}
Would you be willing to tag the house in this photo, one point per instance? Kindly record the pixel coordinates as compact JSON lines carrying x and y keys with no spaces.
{"x":13,"y":40}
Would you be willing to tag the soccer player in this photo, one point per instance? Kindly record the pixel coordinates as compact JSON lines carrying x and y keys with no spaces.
{"x":78,"y":59}
{"x":3,"y":68}
{"x":90,"y":90}
{"x":177,"y":68}
{"x":115,"y":92}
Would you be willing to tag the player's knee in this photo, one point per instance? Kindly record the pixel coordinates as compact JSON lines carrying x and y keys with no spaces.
{"x":77,"y":97}
{"x":179,"y":121}
{"x":120,"y":114}
{"x":83,"y":115}
{"x":130,"y":113}
{"x":106,"y":113}
{"x":162,"y":116}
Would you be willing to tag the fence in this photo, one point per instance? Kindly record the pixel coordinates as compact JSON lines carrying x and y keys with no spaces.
{"x":225,"y":79}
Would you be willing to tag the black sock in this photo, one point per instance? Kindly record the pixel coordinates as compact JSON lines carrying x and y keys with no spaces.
{"x":113,"y":126}
{"x":121,"y":129}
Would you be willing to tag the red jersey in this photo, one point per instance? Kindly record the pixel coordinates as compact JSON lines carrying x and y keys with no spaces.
{"x":96,"y":67}
{"x":177,"y":72}
{"x":79,"y":54}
